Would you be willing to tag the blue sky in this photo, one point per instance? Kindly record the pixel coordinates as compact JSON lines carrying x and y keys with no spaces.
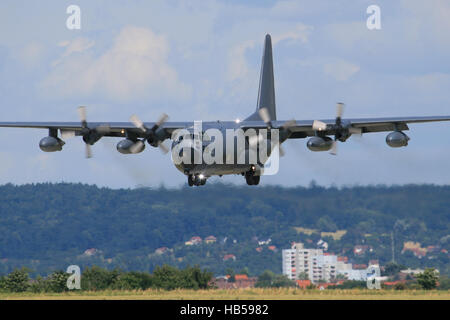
{"x":200,"y":60}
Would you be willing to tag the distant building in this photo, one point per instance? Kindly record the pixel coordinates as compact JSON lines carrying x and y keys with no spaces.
{"x":90,"y":252}
{"x":303,"y":284}
{"x":196,"y":240}
{"x":161,"y":250}
{"x":360,"y":249}
{"x":193,"y":241}
{"x":317,"y":265}
{"x":298,"y":260}
{"x":240,"y":281}
{"x":352,"y":274}
{"x":210,"y":239}
{"x":229,"y":257}
{"x":322,"y":245}
{"x":264,"y":242}
{"x":413,"y":272}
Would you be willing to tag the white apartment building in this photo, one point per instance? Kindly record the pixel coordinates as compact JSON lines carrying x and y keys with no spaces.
{"x":317,"y":265}
{"x":298,"y":260}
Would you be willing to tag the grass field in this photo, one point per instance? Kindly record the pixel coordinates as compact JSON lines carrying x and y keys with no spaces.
{"x":238,"y":294}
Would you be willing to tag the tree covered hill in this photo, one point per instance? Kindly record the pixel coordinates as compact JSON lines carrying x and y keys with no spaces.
{"x":49,"y":226}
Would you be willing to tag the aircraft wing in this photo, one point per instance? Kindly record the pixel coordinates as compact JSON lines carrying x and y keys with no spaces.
{"x":109,"y":129}
{"x":304,"y":128}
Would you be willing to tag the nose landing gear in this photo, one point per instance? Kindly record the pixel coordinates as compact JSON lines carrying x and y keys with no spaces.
{"x":196,"y":180}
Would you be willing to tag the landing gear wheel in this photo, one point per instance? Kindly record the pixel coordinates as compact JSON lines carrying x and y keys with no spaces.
{"x":196,"y":180}
{"x":190,"y":180}
{"x":251,"y":179}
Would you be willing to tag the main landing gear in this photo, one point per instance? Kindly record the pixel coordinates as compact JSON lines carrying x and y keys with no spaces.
{"x":251,"y":179}
{"x":196,"y":180}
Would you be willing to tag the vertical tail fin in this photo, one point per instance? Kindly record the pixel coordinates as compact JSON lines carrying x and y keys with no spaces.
{"x":266,"y":93}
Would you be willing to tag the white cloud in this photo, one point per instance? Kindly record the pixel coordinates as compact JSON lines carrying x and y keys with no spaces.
{"x":135,"y":67}
{"x":299,"y":33}
{"x":238,"y":66}
{"x":77,"y":45}
{"x":31,"y":54}
{"x":340,"y":70}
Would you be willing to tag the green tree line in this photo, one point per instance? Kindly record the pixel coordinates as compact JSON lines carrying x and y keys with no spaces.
{"x":96,"y":278}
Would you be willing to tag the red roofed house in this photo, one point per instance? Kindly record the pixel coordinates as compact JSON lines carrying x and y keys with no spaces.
{"x":196,"y":240}
{"x":393,"y":283}
{"x":303,"y":284}
{"x":243,"y":281}
{"x":272,"y":248}
{"x":210,"y":239}
{"x":325,"y":285}
{"x":228,"y":257}
{"x":360,"y":249}
{"x":240,"y":281}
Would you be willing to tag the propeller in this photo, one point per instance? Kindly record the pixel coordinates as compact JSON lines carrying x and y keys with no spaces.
{"x":154,"y":136}
{"x":342,"y":132}
{"x":284,"y":129}
{"x":90,"y":136}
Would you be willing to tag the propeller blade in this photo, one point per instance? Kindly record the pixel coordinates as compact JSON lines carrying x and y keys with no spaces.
{"x":339,"y":109}
{"x":289,"y":124}
{"x":163,"y":118}
{"x":103,"y":129}
{"x":357,"y":131}
{"x":135,"y":148}
{"x":164,"y":149}
{"x":88,"y":151}
{"x":334,"y":148}
{"x":82,"y":113}
{"x":319,"y":125}
{"x":138,"y":123}
{"x":67,"y":134}
{"x":254,"y":140}
{"x":264,"y":114}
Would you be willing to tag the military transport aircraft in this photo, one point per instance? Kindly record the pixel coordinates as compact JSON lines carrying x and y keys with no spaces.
{"x":324,"y":134}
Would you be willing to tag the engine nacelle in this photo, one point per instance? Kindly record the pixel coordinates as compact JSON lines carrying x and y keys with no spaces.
{"x":51,"y":144}
{"x":319,"y":143}
{"x":397,"y":139}
{"x":128,"y":146}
